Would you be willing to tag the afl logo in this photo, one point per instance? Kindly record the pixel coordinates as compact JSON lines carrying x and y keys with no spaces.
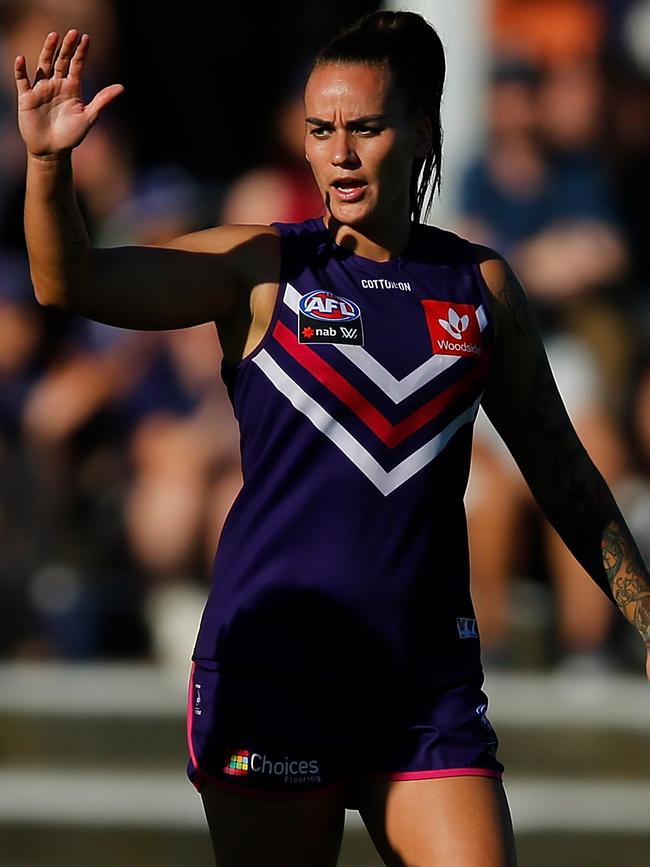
{"x":328,"y":307}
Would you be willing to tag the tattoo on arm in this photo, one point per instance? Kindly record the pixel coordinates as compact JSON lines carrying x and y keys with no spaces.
{"x":566,"y":484}
{"x":628,"y":577}
{"x":513,"y":298}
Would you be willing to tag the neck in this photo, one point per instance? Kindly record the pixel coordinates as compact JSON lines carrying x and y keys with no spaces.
{"x":379,"y":243}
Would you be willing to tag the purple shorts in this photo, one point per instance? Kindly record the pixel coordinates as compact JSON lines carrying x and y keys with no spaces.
{"x":285,"y":736}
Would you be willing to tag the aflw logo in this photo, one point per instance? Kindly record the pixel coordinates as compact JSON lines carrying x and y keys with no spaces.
{"x":454,"y":328}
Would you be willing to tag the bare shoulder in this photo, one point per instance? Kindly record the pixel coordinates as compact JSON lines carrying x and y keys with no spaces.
{"x":510,"y":304}
{"x":493,"y":266}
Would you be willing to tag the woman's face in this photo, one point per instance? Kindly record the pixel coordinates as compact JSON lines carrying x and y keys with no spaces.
{"x":361,"y":142}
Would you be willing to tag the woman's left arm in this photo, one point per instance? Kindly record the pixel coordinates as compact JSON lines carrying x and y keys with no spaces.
{"x":523,"y":403}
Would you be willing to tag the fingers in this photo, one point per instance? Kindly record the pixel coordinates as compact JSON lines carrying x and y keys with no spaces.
{"x":66,"y":53}
{"x":46,"y":57}
{"x":79,"y":57}
{"x":101,"y":100}
{"x":66,"y":60}
{"x":20,"y":74}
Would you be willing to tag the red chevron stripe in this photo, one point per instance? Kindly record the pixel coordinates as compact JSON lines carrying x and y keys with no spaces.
{"x":390,"y":434}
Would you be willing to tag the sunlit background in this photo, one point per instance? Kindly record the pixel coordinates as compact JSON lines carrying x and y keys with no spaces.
{"x":118,"y":449}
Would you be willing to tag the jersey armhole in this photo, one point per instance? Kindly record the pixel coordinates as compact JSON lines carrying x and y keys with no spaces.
{"x":267,"y":333}
{"x":233,"y":369}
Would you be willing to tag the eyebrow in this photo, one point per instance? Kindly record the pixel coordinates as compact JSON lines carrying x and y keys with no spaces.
{"x":357,"y":121}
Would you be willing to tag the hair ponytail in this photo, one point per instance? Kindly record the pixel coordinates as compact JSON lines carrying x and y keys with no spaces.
{"x":412,"y":50}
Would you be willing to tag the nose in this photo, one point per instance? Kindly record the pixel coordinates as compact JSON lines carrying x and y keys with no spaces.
{"x":343,"y":153}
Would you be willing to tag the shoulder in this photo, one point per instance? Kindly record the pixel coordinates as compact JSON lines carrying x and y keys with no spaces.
{"x":446,"y":247}
{"x":494,"y":267}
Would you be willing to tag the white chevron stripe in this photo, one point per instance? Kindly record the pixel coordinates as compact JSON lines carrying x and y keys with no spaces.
{"x":385,"y":481}
{"x":396,"y":389}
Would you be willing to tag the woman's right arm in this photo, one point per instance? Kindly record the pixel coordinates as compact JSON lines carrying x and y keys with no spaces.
{"x":202,"y":277}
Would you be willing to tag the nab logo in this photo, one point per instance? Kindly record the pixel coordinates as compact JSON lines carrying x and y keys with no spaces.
{"x":454,"y":328}
{"x":328,"y":307}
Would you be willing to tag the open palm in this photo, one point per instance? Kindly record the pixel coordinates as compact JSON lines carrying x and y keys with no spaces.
{"x":51,"y":114}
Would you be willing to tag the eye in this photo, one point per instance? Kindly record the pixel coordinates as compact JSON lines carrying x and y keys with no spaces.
{"x":366,"y":131}
{"x":319,"y":132}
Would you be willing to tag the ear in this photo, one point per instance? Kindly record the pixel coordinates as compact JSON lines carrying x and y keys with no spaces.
{"x":423,"y":137}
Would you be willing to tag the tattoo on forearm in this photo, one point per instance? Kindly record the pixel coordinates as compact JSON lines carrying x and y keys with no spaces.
{"x":562,"y":476}
{"x":628,"y":577}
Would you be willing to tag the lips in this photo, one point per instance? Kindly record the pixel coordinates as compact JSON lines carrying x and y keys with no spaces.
{"x":348,"y":189}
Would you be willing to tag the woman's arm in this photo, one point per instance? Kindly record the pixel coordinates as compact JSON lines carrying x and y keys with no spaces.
{"x":202,"y":277}
{"x":523,"y":403}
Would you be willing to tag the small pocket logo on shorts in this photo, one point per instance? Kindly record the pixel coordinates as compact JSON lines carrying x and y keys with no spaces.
{"x":467,"y":627}
{"x":197,"y":699}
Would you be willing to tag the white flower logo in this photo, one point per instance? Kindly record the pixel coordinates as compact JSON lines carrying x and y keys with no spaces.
{"x":455,"y":324}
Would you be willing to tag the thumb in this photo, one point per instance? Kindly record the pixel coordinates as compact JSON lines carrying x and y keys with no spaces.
{"x":101,"y":100}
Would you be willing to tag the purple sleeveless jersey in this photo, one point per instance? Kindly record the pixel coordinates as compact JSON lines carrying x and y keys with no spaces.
{"x":345,"y":555}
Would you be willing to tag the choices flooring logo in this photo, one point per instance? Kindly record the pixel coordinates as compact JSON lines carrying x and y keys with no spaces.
{"x":237,"y":763}
{"x":241,"y":762}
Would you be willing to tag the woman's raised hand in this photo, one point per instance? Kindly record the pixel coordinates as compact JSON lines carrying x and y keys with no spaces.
{"x":51,"y":115}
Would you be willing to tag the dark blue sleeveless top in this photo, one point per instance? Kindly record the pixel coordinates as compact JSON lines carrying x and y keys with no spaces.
{"x":345,"y":555}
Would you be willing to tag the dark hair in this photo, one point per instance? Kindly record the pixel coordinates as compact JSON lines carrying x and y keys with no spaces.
{"x":412,"y":50}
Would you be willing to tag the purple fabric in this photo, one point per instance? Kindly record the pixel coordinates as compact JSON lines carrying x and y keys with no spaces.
{"x":318,"y":571}
{"x":287,"y":736}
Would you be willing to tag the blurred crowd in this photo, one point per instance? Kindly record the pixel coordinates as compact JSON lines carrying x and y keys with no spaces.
{"x":118,"y":449}
{"x":559,"y":184}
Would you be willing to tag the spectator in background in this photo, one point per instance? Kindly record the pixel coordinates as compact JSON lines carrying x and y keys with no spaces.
{"x":539,"y":195}
{"x":549,"y":32}
{"x":284,"y":190}
{"x":22,"y":22}
{"x":156,"y":395}
{"x":96,"y":419}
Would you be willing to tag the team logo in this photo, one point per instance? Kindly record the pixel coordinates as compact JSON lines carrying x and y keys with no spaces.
{"x":324,"y":317}
{"x":467,"y":627}
{"x":455,"y":324}
{"x":454,"y":328}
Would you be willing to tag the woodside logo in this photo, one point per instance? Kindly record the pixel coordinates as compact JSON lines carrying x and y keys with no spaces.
{"x":454,"y":328}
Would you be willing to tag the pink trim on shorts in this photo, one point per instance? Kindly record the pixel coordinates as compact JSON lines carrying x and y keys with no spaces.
{"x":189,"y":720}
{"x":432,"y":775}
